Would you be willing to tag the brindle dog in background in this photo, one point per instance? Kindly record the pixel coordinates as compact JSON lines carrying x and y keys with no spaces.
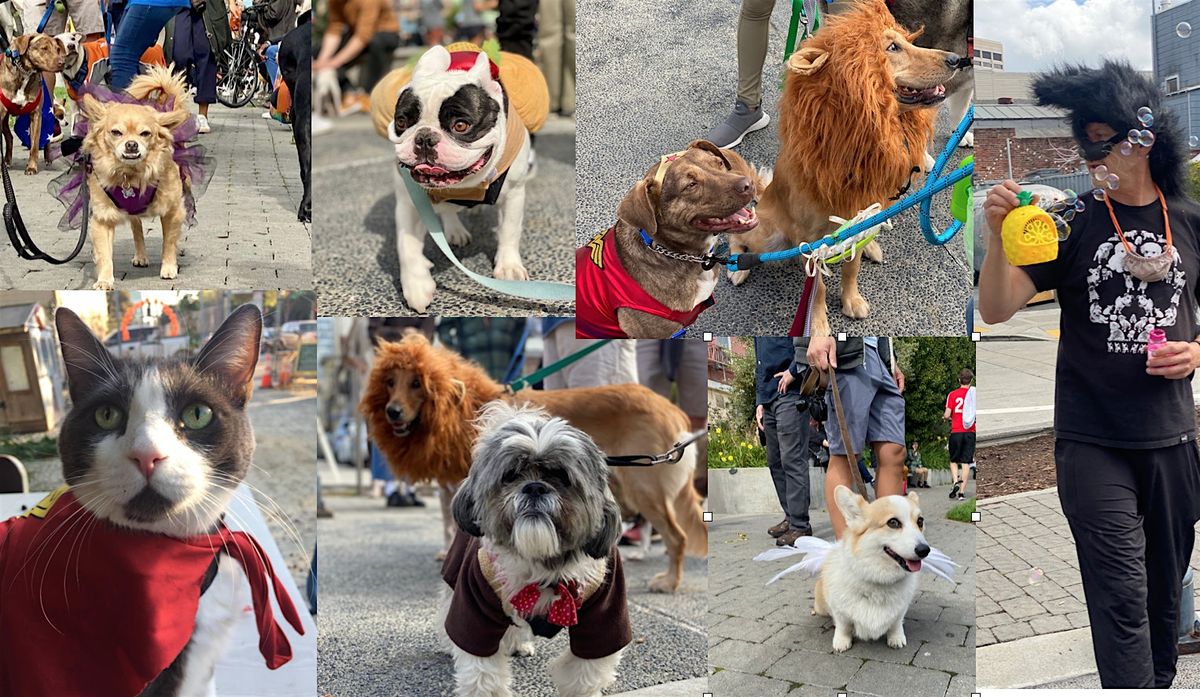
{"x":21,"y":71}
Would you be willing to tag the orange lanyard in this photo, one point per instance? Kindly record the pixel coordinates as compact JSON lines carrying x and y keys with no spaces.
{"x":1113,"y":216}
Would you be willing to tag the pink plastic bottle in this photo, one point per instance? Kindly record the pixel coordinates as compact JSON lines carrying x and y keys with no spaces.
{"x":1155,"y":341}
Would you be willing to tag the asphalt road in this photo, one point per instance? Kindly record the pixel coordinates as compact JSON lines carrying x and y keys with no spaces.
{"x":355,"y":268}
{"x":379,"y":593}
{"x":671,"y":79}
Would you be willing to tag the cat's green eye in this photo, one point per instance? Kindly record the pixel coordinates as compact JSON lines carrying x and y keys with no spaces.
{"x":197,"y":416}
{"x":109,"y":417}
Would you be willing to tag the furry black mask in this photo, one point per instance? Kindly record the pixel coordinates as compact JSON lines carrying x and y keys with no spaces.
{"x":1112,"y":94}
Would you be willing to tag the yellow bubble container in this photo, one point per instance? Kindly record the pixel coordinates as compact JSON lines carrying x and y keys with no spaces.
{"x":1029,"y":233}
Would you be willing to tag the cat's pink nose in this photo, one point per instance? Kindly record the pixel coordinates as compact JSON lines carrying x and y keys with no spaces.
{"x":146,"y":460}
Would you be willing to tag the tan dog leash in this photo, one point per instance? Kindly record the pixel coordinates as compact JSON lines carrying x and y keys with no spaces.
{"x":851,"y":455}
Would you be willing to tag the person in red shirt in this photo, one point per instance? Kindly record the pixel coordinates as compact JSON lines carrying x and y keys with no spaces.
{"x":962,"y":439}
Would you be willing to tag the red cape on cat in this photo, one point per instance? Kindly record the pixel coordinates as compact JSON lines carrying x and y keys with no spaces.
{"x":88,"y":608}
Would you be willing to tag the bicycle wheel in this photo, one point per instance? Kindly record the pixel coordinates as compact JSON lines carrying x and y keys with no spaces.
{"x":238,"y":83}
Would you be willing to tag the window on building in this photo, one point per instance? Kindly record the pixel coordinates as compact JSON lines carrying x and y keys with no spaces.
{"x":987,"y":54}
{"x":976,"y":53}
{"x":997,"y":56}
{"x":1171,"y":85}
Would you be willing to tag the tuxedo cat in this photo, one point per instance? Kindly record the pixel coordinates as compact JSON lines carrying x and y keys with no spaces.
{"x":159,"y":446}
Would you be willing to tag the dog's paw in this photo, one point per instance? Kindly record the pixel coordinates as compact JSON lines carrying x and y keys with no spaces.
{"x":737,"y":278}
{"x":968,"y":140}
{"x":139,"y":260}
{"x":510,"y":269}
{"x":873,"y":252}
{"x":103,"y":285}
{"x":896,"y":639}
{"x":525,"y":648}
{"x":31,"y":168}
{"x":855,"y":305}
{"x":418,"y":290}
{"x":168,"y":271}
{"x":664,"y":582}
{"x":458,"y":236}
{"x":841,"y":642}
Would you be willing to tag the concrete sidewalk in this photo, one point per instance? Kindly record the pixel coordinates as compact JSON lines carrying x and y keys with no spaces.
{"x":1033,"y":627}
{"x":672,"y":81}
{"x":765,"y":641}
{"x":246,"y":233}
{"x":379,"y":593}
{"x":356,"y":270}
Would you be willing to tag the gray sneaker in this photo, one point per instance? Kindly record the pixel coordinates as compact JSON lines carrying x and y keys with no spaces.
{"x":739,"y":123}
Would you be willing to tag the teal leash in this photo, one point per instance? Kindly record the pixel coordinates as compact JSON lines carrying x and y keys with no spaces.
{"x":530,"y":290}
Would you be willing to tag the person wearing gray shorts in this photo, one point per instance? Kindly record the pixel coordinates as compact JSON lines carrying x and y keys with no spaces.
{"x":871,"y":386}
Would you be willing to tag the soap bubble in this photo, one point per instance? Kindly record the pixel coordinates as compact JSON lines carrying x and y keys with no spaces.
{"x":1133,"y":135}
{"x":1113,"y":182}
{"x":1068,"y":214}
{"x":1070,"y":197}
{"x":1145,"y":138}
{"x":1145,"y":116}
{"x":1061,"y":226}
{"x":1193,"y":142}
{"x":1125,"y":148}
{"x":1080,"y":205}
{"x":1183,"y":29}
{"x":1100,"y":173}
{"x":1099,"y":194}
{"x":1036,"y":576}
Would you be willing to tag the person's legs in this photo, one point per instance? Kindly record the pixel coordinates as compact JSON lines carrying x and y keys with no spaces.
{"x":271,"y":57}
{"x":550,"y":48}
{"x":857,"y":392}
{"x":885,"y":427}
{"x":778,"y":477}
{"x":753,"y":31}
{"x":791,"y":429}
{"x":139,"y":30}
{"x":378,"y":59}
{"x":567,"y":105}
{"x":1099,"y":494}
{"x":181,"y":45}
{"x":204,"y":67}
{"x":1169,"y":485}
{"x":516,"y":26}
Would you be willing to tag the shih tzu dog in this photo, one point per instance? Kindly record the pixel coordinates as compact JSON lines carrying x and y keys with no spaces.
{"x":535,"y":553}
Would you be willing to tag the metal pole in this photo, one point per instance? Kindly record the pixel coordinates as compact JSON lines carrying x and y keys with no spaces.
{"x":1008,"y":153}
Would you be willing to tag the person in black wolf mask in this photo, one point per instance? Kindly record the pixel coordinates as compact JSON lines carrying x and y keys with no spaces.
{"x":1125,"y":424}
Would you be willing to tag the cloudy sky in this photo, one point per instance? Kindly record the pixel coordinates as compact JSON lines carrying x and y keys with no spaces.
{"x":1039,"y":33}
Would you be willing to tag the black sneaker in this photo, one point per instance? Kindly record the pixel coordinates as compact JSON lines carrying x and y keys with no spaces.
{"x":954,"y":491}
{"x":743,"y":120}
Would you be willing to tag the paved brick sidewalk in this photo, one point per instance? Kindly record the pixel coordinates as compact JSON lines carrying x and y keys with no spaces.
{"x":765,"y":641}
{"x":246,"y":235}
{"x":1016,"y":536}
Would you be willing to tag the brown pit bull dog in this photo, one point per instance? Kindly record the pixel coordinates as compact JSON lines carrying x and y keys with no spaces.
{"x":648,"y":277}
{"x":21,"y":68}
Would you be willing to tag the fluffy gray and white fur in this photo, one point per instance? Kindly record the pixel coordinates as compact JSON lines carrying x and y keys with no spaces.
{"x":159,"y":446}
{"x":537,"y":494}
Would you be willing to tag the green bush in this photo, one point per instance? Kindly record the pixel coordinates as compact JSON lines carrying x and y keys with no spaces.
{"x":936,"y":459}
{"x":29,"y":448}
{"x":730,"y":447}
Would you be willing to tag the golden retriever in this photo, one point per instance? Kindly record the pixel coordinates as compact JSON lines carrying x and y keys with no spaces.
{"x":421,"y":401}
{"x":133,"y":173}
{"x":855,"y":121}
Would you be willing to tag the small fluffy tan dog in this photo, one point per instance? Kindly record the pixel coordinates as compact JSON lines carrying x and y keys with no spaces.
{"x":133,"y":175}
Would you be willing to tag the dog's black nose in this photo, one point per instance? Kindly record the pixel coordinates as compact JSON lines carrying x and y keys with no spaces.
{"x":953,"y":61}
{"x":426,"y":140}
{"x":535,"y":489}
{"x":131,"y":146}
{"x":922,"y":550}
{"x":745,"y":186}
{"x":394,"y":413}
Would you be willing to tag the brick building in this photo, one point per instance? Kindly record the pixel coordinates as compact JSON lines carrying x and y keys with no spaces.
{"x":1014,"y":139}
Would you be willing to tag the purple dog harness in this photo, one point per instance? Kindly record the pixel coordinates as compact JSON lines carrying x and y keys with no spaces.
{"x":132,"y":201}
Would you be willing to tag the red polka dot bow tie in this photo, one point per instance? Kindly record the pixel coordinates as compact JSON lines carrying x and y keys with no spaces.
{"x":562,"y":610}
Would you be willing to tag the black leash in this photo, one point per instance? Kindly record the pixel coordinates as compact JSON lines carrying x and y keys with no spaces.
{"x":19,"y":236}
{"x":675,"y":454}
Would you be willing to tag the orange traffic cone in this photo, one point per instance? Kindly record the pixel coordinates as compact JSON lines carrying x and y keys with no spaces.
{"x":285,"y":373}
{"x":266,"y":368}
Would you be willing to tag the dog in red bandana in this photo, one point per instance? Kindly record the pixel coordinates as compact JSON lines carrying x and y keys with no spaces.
{"x":535,"y":554}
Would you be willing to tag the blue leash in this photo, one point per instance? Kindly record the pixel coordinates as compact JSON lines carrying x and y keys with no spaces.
{"x":46,"y":16}
{"x":531,"y":290}
{"x":935,"y":182}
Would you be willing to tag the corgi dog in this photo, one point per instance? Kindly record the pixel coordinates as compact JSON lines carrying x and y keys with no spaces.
{"x":870,"y":576}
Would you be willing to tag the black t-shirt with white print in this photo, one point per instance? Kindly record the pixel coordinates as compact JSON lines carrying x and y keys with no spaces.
{"x":1103,"y":394}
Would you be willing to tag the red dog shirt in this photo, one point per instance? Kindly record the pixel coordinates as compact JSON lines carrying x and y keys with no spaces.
{"x":602,"y":286}
{"x":88,"y":608}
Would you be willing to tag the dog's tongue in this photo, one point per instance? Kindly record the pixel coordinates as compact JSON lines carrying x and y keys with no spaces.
{"x":741,"y":217}
{"x":425,"y":168}
{"x":913,"y":564}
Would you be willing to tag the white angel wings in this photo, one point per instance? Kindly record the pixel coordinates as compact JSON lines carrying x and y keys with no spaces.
{"x":816,"y":550}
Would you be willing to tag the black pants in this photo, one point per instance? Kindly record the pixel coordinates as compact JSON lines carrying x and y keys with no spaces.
{"x":787,"y":433}
{"x":1132,"y":514}
{"x":375,"y":59}
{"x":516,"y":26}
{"x":193,"y":56}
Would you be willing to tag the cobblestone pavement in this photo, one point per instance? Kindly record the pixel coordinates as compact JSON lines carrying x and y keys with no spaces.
{"x":246,"y":234}
{"x":765,"y":641}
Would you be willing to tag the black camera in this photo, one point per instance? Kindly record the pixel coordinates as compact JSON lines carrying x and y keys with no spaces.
{"x":816,"y":406}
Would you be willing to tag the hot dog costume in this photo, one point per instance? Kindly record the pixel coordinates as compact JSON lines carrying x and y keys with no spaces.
{"x":596,"y":617}
{"x":89,"y":608}
{"x":528,"y":107}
